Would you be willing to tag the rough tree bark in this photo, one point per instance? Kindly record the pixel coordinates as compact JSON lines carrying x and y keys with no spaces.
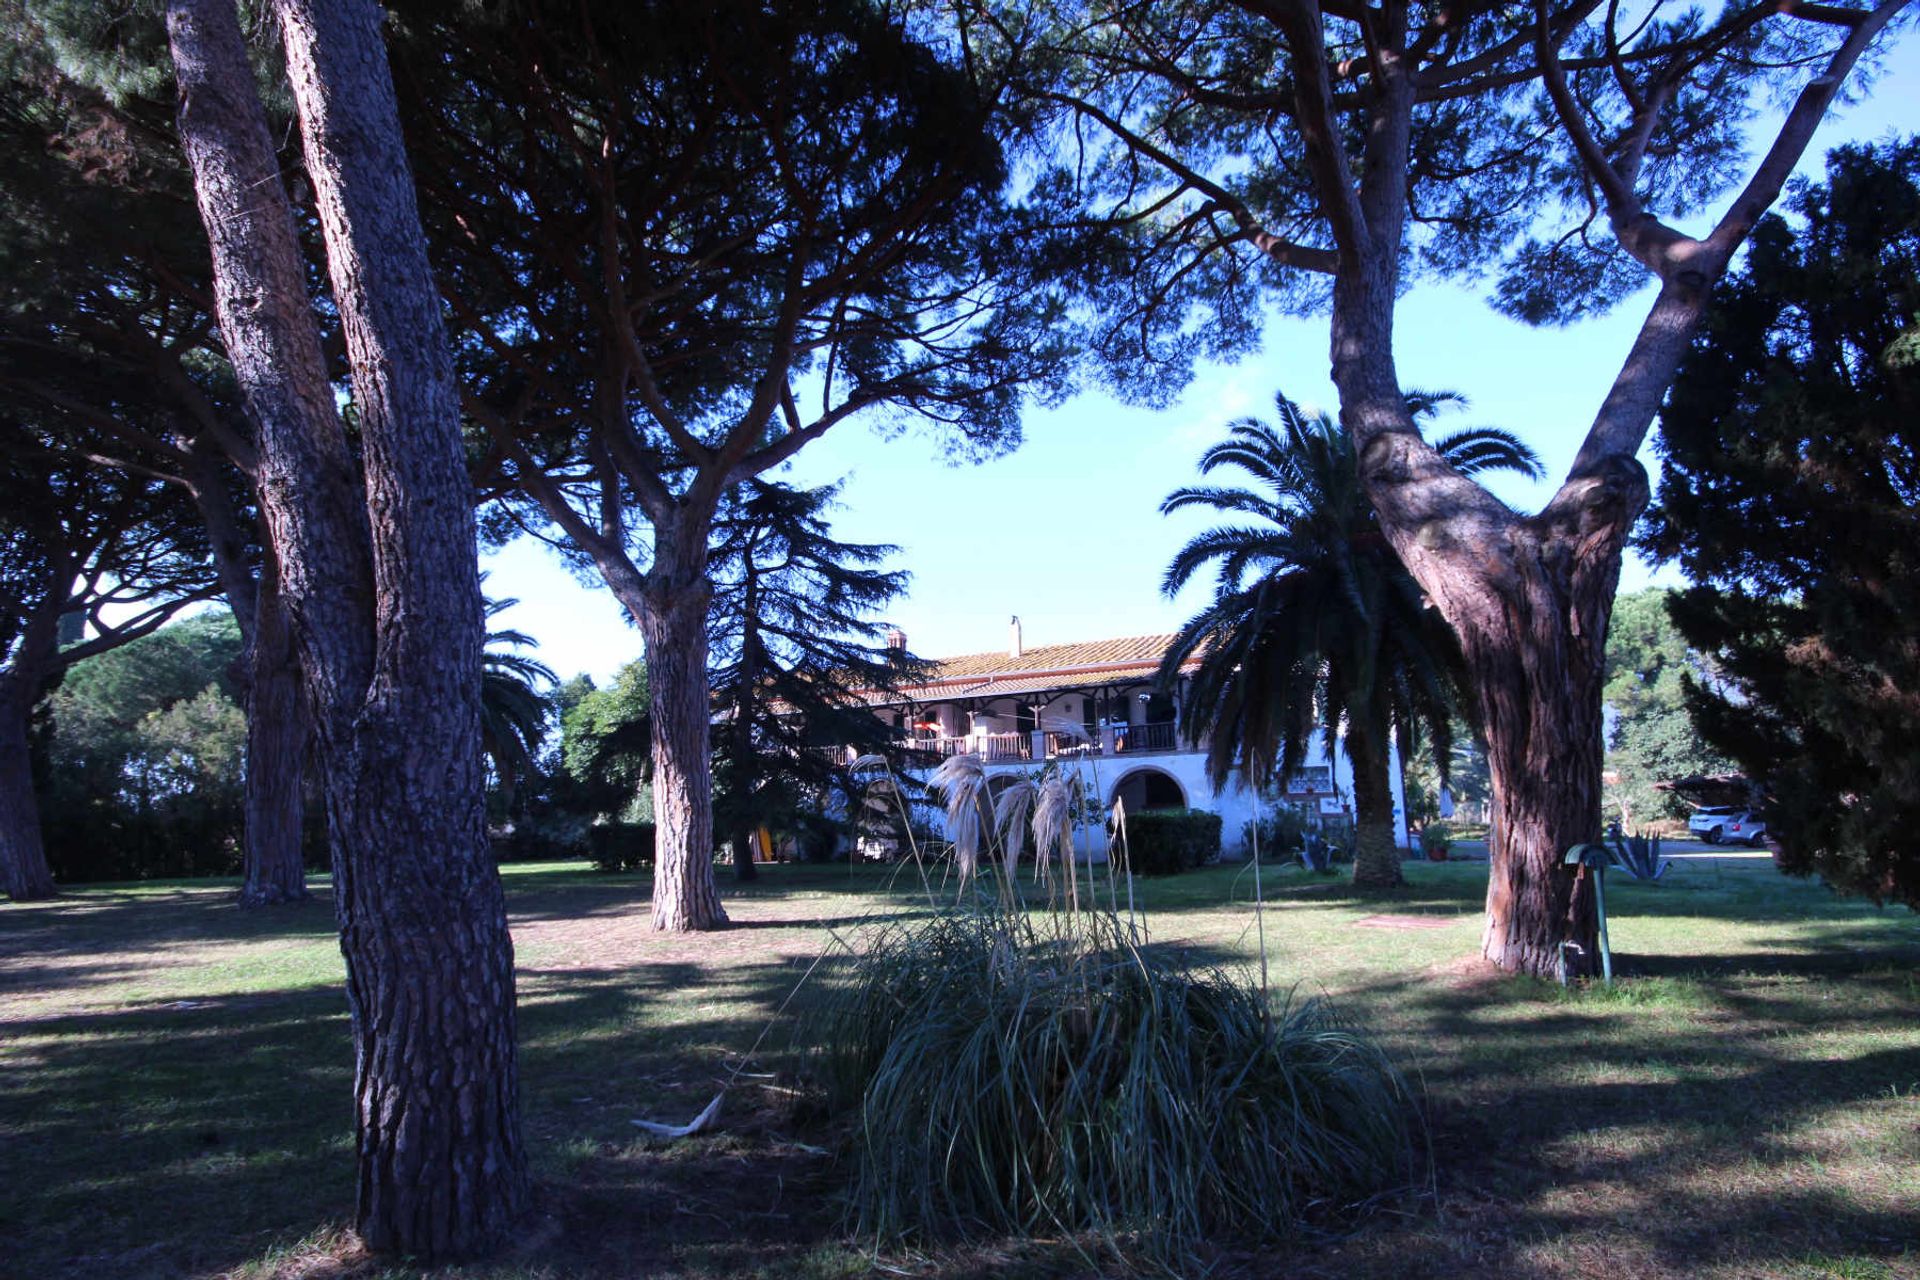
{"x":274,"y":870}
{"x":24,"y":872}
{"x":381,"y":582}
{"x":268,"y":672}
{"x":742,"y":726}
{"x":669,"y":603}
{"x":674,"y":623}
{"x":1530,"y":596}
{"x":1376,"y":858}
{"x":1530,"y":599}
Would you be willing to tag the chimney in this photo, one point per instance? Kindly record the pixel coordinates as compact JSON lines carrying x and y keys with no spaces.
{"x":896,"y":640}
{"x":1014,"y":648}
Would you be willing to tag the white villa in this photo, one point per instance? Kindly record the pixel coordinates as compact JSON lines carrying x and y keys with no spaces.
{"x":1095,"y":704}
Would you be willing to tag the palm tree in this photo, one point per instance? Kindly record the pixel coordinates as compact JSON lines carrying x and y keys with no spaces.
{"x":513,"y":704}
{"x":1314,"y":623}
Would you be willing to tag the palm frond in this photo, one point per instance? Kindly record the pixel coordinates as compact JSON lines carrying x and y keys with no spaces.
{"x":1472,"y":450}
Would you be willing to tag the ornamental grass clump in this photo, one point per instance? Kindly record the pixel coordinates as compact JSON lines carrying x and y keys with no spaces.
{"x":1047,"y":1074}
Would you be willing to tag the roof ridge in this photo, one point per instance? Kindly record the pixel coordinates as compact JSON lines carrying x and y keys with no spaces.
{"x":1063,"y":644}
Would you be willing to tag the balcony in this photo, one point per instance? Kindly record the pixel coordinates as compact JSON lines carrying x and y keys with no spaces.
{"x":1023,"y":748}
{"x":1142,"y":739}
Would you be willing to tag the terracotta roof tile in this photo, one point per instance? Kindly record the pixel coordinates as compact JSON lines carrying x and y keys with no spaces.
{"x":1048,"y":666}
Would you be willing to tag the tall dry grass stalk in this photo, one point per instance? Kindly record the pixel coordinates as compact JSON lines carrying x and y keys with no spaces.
{"x":1010,"y":815}
{"x":962,"y":780}
{"x":1053,"y":838}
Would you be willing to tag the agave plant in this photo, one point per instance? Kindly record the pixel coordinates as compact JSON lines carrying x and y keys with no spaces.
{"x":1639,"y":856}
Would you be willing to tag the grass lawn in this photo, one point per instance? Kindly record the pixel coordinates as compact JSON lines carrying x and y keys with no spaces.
{"x":1746,"y":1103}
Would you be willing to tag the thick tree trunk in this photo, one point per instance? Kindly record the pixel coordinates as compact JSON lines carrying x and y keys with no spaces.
{"x":743,"y":850}
{"x":276,"y":756}
{"x":685,"y":896}
{"x":24,"y":873}
{"x":382,"y":583}
{"x":1536,"y":645}
{"x":1530,"y":599}
{"x":1376,"y":858}
{"x":443,"y":1172}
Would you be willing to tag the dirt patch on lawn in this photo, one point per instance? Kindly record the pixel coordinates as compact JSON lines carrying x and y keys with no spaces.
{"x":1403,"y":922}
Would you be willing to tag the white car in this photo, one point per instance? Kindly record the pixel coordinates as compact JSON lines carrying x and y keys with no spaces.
{"x":1728,"y":824}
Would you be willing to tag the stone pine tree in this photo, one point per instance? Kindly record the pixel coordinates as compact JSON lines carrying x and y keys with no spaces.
{"x":1315,"y":628}
{"x":106,"y":329}
{"x":103,"y":555}
{"x":681,"y":241}
{"x":793,"y":636}
{"x":1789,"y":494}
{"x":380,"y":574}
{"x":1318,"y":155}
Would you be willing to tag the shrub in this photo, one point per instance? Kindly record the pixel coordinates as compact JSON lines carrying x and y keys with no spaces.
{"x":1436,"y":840}
{"x":1337,"y":837}
{"x":1018,"y":1075}
{"x":816,"y":837}
{"x":544,"y":836}
{"x":1161,"y":842}
{"x":620,"y":846}
{"x":1282,"y":831}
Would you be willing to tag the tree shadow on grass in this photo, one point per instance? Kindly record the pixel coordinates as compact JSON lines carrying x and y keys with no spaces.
{"x":1573,"y":1134}
{"x":161,"y":1141}
{"x":1584,"y":1134}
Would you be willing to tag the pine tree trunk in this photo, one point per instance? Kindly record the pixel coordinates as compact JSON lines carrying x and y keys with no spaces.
{"x":276,"y":756}
{"x":1376,"y":858}
{"x":24,"y":873}
{"x":746,"y":769}
{"x":1537,"y":650}
{"x":1530,"y":599}
{"x":743,"y":850}
{"x":382,"y":582}
{"x":685,"y":895}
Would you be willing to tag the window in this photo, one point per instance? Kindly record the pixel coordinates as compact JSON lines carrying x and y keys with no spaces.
{"x":1314,"y":778}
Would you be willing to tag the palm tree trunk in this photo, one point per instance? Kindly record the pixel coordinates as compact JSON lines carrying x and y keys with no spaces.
{"x":1376,"y":857}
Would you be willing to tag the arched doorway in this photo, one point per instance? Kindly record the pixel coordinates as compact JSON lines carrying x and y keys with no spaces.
{"x":1144,"y":789}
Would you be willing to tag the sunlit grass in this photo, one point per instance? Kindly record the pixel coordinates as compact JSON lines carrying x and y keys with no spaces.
{"x":1745,"y":1102}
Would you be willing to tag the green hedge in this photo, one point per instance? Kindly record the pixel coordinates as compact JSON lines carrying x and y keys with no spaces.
{"x":620,"y":846}
{"x":1161,"y":842}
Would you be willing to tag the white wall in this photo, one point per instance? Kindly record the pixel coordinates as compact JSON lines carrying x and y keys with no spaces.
{"x":1103,"y":775}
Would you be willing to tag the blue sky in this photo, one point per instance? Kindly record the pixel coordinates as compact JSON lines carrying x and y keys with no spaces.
{"x":1064,"y":531}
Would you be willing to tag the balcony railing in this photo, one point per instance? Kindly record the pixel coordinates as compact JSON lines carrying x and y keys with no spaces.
{"x":1020,"y":747}
{"x":1131,"y":739}
{"x":1017,"y":747}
